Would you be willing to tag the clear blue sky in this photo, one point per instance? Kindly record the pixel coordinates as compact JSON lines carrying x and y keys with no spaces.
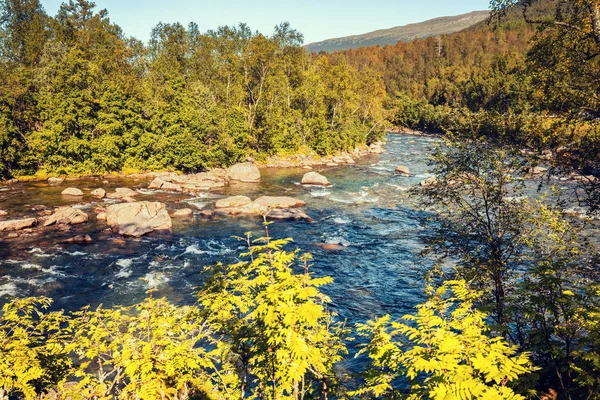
{"x":316,"y":19}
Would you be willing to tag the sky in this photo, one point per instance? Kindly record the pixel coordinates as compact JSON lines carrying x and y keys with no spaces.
{"x":316,"y":19}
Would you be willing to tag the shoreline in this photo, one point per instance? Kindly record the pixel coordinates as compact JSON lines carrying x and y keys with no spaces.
{"x":306,"y":161}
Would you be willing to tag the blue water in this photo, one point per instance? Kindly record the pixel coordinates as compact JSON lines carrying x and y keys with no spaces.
{"x":367,"y":209}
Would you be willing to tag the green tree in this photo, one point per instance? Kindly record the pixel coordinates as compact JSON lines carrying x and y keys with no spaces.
{"x":445,"y":351}
{"x":276,"y":322}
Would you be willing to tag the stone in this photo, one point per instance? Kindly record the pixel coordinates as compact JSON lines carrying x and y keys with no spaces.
{"x":128,"y":199}
{"x":157,"y":183}
{"x":331,"y":246}
{"x":251,"y":209}
{"x":376,"y":148}
{"x":428,"y":182}
{"x":288,"y":215}
{"x":99,"y":193}
{"x":244,"y":172}
{"x":55,"y":181}
{"x":74,"y":192}
{"x":171,"y":186}
{"x":314,"y":178}
{"x":101,"y":216}
{"x":121,"y":193}
{"x":234,"y":201}
{"x":403,"y":170}
{"x":79,"y":239}
{"x":331,"y":164}
{"x":139,"y":218}
{"x":3,"y":213}
{"x":539,"y":170}
{"x":66,"y":216}
{"x":17,"y":224}
{"x":279,"y":202}
{"x":183,"y":213}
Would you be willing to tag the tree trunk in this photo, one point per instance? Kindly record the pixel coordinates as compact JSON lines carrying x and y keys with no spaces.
{"x":595,"y":11}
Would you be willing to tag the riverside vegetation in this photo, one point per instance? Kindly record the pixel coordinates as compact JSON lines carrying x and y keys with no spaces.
{"x":78,"y":97}
{"x":512,"y":306}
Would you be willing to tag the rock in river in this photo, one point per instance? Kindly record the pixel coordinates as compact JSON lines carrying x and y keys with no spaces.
{"x":121,"y":193}
{"x":139,"y":218}
{"x":66,"y":216}
{"x":74,"y":192}
{"x":403,"y":170}
{"x":55,"y":181}
{"x":244,"y":172}
{"x":17,"y":224}
{"x":234,"y":201}
{"x":288,"y":215}
{"x":79,"y":239}
{"x":99,"y":193}
{"x":314,"y":178}
{"x":182,"y":213}
{"x":279,"y":202}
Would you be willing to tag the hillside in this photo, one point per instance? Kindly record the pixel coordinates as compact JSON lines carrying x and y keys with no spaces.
{"x":432,"y":27}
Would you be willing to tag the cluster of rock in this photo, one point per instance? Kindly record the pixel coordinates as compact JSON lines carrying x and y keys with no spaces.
{"x":312,"y":160}
{"x":62,"y":216}
{"x":137,"y":218}
{"x":271,"y":207}
{"x":214,"y":179}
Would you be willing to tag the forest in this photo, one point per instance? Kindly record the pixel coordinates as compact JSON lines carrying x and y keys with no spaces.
{"x":515,"y":316}
{"x":77,"y":97}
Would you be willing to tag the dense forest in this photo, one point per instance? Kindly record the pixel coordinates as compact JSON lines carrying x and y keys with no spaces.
{"x":512,"y":307}
{"x":78,"y":97}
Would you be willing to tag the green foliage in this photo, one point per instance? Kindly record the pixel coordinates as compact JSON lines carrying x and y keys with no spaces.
{"x":148,"y":351}
{"x":444,"y":351}
{"x":33,"y":347}
{"x":77,"y":97}
{"x":276,"y":322}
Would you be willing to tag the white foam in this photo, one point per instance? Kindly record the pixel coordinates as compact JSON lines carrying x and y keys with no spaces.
{"x":125,"y":262}
{"x":342,"y":220}
{"x":194,"y":249}
{"x":75,"y":253}
{"x":320,"y":193}
{"x":31,"y":266}
{"x":8,"y":289}
{"x":155,"y":279}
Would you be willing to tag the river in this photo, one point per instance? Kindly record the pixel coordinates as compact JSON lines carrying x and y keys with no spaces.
{"x":368,"y":210}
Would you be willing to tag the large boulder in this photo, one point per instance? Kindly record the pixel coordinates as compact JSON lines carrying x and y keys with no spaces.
{"x":314,"y":178}
{"x":139,"y":218}
{"x":403,"y":170}
{"x":157,"y":183}
{"x":279,"y":202}
{"x":244,"y":172}
{"x":234,"y":201}
{"x":73,"y":192}
{"x":66,"y":216}
{"x":17,"y":224}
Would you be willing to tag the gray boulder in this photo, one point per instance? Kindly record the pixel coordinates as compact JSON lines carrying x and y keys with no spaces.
{"x":139,"y":218}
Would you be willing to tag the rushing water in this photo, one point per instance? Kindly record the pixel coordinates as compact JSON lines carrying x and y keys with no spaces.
{"x":367,"y":209}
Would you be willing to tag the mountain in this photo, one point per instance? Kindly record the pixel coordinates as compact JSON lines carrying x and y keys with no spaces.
{"x":432,"y":27}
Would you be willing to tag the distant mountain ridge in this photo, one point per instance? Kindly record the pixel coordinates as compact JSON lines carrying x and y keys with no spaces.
{"x":382,"y":37}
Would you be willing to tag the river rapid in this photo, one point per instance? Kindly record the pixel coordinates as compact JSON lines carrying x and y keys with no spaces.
{"x":367,"y":210}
